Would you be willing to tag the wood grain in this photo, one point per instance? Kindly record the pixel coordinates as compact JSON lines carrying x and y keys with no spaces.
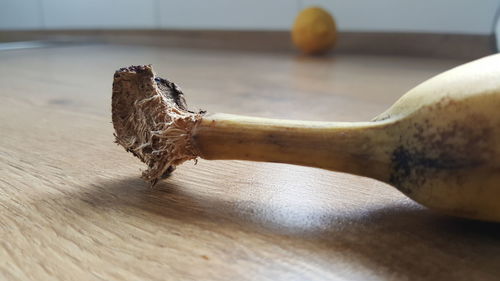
{"x":72,"y":206}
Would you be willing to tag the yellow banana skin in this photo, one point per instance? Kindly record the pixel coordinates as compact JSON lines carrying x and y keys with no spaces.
{"x":448,"y":141}
{"x":439,"y":143}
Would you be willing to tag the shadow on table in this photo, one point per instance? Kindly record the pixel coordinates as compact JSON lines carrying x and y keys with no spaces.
{"x":405,"y":240}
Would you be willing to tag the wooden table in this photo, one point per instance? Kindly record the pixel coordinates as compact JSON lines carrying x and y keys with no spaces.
{"x":72,"y":206}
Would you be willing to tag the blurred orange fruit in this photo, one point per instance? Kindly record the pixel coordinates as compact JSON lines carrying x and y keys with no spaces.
{"x":314,"y":31}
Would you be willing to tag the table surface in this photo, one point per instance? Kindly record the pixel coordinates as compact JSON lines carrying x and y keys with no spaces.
{"x":72,"y":205}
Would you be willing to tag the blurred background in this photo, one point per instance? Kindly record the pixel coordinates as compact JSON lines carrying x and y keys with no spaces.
{"x":437,"y":16}
{"x":457,"y":22}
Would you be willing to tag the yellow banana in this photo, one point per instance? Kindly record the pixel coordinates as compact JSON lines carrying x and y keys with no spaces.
{"x":439,"y":144}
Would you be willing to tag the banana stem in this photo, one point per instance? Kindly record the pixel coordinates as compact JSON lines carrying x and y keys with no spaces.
{"x":356,"y":148}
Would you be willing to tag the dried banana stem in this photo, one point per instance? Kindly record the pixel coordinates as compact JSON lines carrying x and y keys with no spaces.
{"x":151,"y":121}
{"x":344,"y":147}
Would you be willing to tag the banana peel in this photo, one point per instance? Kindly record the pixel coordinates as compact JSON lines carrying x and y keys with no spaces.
{"x":439,"y":143}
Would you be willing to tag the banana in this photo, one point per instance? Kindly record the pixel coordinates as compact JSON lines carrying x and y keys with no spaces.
{"x":439,"y":144}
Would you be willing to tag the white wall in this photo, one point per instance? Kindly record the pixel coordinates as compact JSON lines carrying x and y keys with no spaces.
{"x":435,"y":16}
{"x":441,"y":16}
{"x":228,"y":14}
{"x":89,"y":14}
{"x":497,"y":31}
{"x":20,"y":14}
